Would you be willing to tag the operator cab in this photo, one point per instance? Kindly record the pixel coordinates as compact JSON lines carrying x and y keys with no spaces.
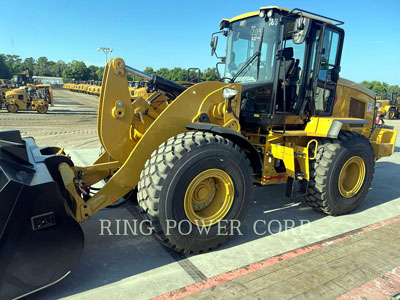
{"x":393,"y":98}
{"x":287,"y":62}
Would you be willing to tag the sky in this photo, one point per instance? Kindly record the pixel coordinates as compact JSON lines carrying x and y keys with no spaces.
{"x":174,"y":33}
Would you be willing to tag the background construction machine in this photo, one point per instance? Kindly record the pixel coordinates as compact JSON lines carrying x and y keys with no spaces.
{"x":2,"y":99}
{"x":5,"y":83}
{"x":91,"y":87}
{"x":389,"y":106}
{"x":23,"y":79}
{"x":4,"y":87}
{"x":280,"y":114}
{"x":37,"y":98}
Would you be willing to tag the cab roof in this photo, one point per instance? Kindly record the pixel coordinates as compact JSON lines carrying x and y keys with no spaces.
{"x":256,"y":13}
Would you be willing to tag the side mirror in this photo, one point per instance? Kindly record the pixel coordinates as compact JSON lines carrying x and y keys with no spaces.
{"x":286,"y":53}
{"x":213,"y":44}
{"x":301,"y":29}
{"x":334,"y":74}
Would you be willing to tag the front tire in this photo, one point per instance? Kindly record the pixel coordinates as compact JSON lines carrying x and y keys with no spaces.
{"x":341,"y":174}
{"x":391,"y":114}
{"x":42,"y":109}
{"x":197,"y":180}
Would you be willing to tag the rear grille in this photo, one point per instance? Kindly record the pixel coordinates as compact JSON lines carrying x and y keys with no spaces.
{"x":356,"y":110}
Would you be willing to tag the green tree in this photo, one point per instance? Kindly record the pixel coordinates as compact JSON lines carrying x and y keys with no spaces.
{"x":4,"y":69}
{"x":29,"y":64}
{"x":163,"y":72}
{"x":57,"y":68}
{"x":67,"y":75}
{"x":92,"y":72}
{"x":209,"y":74}
{"x":149,"y":70}
{"x":80,"y":71}
{"x":380,"y":88}
{"x":42,"y":66}
{"x":76,"y":70}
{"x":99,"y":73}
{"x":11,"y":64}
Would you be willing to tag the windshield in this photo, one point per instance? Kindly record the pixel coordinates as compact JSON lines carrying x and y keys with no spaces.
{"x":244,"y":38}
{"x":18,"y":78}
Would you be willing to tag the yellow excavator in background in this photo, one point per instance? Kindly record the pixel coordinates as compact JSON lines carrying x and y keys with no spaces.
{"x":280,"y":114}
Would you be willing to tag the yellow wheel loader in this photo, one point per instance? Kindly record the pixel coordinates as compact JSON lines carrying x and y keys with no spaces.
{"x":389,"y":106}
{"x":192,"y":154}
{"x":21,"y":79}
{"x":97,"y":89}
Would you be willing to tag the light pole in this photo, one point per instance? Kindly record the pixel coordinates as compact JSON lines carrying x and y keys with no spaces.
{"x":105,"y":50}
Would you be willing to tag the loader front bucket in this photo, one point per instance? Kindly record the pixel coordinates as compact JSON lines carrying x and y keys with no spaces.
{"x":39,"y":242}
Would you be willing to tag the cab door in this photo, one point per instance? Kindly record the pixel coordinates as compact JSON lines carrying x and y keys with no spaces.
{"x":327,"y":68}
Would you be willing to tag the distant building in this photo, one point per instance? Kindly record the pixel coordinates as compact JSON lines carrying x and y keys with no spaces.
{"x":49,"y":80}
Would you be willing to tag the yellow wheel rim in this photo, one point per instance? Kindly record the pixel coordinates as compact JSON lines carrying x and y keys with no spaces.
{"x":351,"y":177}
{"x":209,"y":197}
{"x":12,"y":108}
{"x":41,"y":109}
{"x":392,"y":114}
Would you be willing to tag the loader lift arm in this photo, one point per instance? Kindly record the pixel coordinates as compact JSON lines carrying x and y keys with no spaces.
{"x":130,"y":131}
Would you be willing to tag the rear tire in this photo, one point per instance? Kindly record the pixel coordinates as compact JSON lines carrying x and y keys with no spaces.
{"x":330,"y":191}
{"x":166,"y":180}
{"x":12,"y":108}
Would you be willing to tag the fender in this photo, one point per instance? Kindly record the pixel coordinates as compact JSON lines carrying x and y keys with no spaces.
{"x":338,"y":123}
{"x":329,"y":126}
{"x":237,"y":138}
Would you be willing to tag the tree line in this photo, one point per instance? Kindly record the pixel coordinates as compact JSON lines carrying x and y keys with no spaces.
{"x":381,"y":88}
{"x":78,"y":71}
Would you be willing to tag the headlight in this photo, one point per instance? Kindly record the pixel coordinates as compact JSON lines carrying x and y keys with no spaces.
{"x":229,"y":93}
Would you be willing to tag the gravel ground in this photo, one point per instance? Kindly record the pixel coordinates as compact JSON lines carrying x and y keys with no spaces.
{"x":71,"y":123}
